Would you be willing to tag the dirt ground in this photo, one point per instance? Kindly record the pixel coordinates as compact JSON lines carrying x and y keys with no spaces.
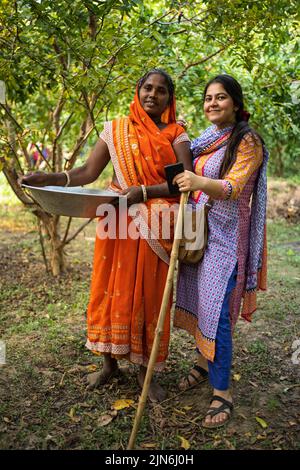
{"x":44,"y":403}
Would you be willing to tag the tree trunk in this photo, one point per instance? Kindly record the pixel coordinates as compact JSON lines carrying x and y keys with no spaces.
{"x":56,"y":254}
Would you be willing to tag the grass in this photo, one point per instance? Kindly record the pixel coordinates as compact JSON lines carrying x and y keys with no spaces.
{"x":43,"y":399}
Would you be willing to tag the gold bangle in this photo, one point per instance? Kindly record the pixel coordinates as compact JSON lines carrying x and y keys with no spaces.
{"x":68,"y":178}
{"x":145,"y":197}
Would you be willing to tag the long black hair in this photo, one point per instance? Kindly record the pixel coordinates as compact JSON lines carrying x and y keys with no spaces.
{"x":241,"y":127}
{"x":168,"y":80}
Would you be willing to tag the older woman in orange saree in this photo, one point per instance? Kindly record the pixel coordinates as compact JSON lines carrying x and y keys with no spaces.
{"x":129,"y":273}
{"x":130,"y":269}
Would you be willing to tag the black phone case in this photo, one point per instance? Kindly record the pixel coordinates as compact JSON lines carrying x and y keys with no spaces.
{"x":171,"y":171}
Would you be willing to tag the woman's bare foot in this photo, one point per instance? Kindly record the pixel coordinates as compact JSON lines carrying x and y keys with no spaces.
{"x":156,"y":393}
{"x":109,"y":370}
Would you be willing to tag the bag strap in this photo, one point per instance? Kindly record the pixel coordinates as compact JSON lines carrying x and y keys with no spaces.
{"x":210,"y":202}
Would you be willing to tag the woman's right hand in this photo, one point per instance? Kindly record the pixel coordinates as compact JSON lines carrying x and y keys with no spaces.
{"x":38,"y":178}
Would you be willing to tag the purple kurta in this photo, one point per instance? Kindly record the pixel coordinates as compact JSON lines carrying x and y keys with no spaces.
{"x":201,"y":288}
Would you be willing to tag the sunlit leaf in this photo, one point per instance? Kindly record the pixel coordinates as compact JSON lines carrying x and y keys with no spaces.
{"x":237,"y":377}
{"x":184,"y":443}
{"x":92,"y":367}
{"x":123,"y":403}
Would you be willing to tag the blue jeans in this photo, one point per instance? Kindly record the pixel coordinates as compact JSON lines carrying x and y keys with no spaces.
{"x":219,"y":370}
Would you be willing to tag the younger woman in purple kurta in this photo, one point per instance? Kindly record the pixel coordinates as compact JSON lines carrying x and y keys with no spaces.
{"x":230,"y":167}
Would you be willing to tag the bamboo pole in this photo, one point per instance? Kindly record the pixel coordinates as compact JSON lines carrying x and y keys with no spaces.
{"x":160,"y":322}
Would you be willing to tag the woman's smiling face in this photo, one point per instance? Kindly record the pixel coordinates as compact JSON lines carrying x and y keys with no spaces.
{"x":154,"y":95}
{"x":219,"y":107}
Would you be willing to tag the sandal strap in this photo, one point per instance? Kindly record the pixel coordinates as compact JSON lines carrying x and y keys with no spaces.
{"x":220,"y":409}
{"x":192,"y":379}
{"x":228,"y":404}
{"x":195,"y":377}
{"x":201,"y":371}
{"x":187,"y":378}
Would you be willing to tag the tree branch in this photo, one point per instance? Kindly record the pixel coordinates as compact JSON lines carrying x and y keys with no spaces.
{"x":78,"y":231}
{"x":67,"y":231}
{"x":5,"y":107}
{"x":201,"y":61}
{"x":63,"y":126}
{"x":56,"y":118}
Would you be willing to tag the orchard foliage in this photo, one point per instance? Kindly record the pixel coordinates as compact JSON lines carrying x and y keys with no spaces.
{"x":86,"y":56}
{"x":69,"y":65}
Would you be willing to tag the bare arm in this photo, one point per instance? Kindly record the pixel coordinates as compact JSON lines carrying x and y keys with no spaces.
{"x":85,"y":174}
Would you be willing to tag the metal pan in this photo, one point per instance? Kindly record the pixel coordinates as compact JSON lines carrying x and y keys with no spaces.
{"x":71,"y":202}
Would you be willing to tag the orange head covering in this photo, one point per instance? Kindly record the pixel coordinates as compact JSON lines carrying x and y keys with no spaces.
{"x":151,"y":148}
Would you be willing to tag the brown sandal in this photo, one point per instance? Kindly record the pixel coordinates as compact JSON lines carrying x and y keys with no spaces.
{"x":226,"y":407}
{"x":192,"y":379}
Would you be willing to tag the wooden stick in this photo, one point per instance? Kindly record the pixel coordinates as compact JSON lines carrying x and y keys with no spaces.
{"x":160,"y":322}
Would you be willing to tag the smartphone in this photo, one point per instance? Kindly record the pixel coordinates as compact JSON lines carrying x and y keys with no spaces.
{"x":171,"y":171}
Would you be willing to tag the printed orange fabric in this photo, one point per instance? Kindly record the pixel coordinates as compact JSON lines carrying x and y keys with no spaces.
{"x":129,"y":275}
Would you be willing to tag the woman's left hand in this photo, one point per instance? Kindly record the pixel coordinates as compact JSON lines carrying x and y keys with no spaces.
{"x":182,"y":122}
{"x":134,"y":195}
{"x":187,"y":181}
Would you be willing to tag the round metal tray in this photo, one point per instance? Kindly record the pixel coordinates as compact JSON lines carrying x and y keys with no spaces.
{"x":71,"y":202}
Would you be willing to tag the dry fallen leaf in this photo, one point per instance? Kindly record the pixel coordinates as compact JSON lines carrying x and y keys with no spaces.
{"x":105,"y":419}
{"x":123,"y":403}
{"x":71,"y":415}
{"x":184,"y":443}
{"x":229,"y":444}
{"x":262,"y":422}
{"x":179,"y":411}
{"x":260,"y":437}
{"x":148,"y":445}
{"x":253,"y":384}
{"x":237,"y":377}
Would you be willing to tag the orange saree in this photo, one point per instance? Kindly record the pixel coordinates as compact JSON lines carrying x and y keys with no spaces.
{"x":129,"y":274}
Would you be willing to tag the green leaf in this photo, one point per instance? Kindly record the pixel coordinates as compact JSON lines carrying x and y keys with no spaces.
{"x":261,"y":422}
